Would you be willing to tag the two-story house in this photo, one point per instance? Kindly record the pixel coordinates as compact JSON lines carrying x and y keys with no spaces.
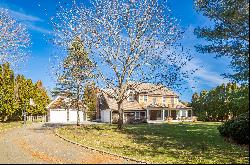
{"x":145,"y":102}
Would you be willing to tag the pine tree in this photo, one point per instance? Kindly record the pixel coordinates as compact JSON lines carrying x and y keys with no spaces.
{"x":77,"y":71}
{"x":1,"y":90}
{"x":90,"y":98}
{"x":230,"y":34}
{"x":7,"y":90}
{"x":41,"y":98}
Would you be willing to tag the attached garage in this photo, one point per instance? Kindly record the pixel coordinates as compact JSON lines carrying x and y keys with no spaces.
{"x":106,"y":116}
{"x":58,"y":114}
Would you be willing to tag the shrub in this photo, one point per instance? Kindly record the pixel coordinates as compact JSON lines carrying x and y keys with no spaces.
{"x":236,"y":129}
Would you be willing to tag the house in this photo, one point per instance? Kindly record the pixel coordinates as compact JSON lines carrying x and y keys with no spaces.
{"x":145,"y":102}
{"x":59,"y":111}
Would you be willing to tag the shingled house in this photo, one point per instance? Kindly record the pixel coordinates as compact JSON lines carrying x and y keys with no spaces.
{"x":145,"y":102}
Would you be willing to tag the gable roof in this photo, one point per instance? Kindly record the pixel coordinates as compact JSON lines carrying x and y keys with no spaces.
{"x":110,"y":103}
{"x":149,"y":89}
{"x":60,"y":103}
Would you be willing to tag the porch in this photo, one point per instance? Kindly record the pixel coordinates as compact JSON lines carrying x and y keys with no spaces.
{"x":173,"y":115}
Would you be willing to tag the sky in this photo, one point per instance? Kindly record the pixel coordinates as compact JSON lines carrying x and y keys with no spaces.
{"x":36,"y":14}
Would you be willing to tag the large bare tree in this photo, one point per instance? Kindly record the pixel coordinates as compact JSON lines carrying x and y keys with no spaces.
{"x":129,"y":40}
{"x":14,"y":39}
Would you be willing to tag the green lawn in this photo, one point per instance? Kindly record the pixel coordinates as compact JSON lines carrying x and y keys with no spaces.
{"x":9,"y":125}
{"x":161,"y":143}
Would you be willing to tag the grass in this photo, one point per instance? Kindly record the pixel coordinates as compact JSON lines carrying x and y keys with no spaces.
{"x":161,"y":143}
{"x":4,"y":126}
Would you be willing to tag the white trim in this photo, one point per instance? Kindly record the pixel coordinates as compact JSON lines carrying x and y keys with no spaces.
{"x":165,"y":99}
{"x":57,"y":109}
{"x":139,"y":115}
{"x":144,"y":98}
{"x":52,"y":102}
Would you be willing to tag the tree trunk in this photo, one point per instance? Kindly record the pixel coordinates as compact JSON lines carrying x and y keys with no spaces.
{"x":120,"y":120}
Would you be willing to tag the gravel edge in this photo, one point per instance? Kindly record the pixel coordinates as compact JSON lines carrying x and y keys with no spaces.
{"x":101,"y":151}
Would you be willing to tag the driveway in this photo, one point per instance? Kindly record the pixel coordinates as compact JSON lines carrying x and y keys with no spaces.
{"x":37,"y":144}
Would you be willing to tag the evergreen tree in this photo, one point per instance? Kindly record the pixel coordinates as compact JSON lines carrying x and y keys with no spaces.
{"x":7,"y":90}
{"x":221,"y":103}
{"x":90,"y":98}
{"x":230,"y":34}
{"x":77,"y":71}
{"x":1,"y":89}
{"x":20,"y":94}
{"x":15,"y":94}
{"x":41,"y":98}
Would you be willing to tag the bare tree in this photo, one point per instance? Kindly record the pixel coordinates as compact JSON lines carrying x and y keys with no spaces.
{"x":14,"y":39}
{"x":129,"y":40}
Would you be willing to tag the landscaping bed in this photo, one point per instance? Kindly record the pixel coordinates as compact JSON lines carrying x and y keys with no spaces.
{"x":160,"y":143}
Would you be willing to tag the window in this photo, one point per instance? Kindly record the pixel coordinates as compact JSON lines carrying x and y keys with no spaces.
{"x":164,"y":99}
{"x":154,"y":100}
{"x":189,"y":113}
{"x":137,"y":115}
{"x":172,"y":100}
{"x":143,"y":115}
{"x":131,"y":97}
{"x":158,"y":114}
{"x":145,"y":98}
{"x":166,"y":113}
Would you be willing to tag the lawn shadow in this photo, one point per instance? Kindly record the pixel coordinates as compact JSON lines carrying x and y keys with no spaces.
{"x":184,"y":142}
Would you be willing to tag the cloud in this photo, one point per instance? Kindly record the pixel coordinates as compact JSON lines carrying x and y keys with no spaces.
{"x":24,"y":17}
{"x":39,"y":29}
{"x":29,"y":20}
{"x":204,"y":75}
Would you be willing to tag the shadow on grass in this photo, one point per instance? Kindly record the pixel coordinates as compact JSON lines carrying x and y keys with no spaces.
{"x":162,"y":143}
{"x":185,"y":143}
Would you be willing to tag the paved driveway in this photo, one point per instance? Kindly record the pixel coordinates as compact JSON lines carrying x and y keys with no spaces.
{"x":37,"y":144}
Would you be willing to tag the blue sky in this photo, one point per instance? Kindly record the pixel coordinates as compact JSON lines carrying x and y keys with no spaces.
{"x":35,"y":14}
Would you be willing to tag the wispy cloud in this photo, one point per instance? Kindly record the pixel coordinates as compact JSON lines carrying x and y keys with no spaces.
{"x":204,"y":75}
{"x":24,"y":17}
{"x":39,"y":29}
{"x":30,"y":21}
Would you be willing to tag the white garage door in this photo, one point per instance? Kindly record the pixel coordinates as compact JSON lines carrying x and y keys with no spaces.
{"x":58,"y":115}
{"x":105,"y":116}
{"x":73,"y":115}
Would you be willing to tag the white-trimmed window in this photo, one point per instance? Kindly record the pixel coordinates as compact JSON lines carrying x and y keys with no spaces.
{"x":131,"y":97}
{"x":164,"y":98}
{"x":143,"y":115}
{"x":172,"y":100}
{"x":154,"y":100}
{"x":145,"y":98}
{"x":137,"y":115}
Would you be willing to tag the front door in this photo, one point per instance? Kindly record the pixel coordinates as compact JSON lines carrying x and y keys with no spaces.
{"x":173,"y":114}
{"x":155,"y":115}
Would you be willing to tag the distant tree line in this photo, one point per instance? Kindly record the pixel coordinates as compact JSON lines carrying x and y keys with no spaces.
{"x":221,"y":103}
{"x":15,"y":94}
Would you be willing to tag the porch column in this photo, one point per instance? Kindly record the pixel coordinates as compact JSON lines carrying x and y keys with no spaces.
{"x":148,"y":116}
{"x":123,"y":117}
{"x":163,"y":114}
{"x":111,"y":119}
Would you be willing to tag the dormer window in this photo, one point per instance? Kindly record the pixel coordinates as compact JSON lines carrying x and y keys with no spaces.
{"x":145,"y":98}
{"x":131,"y":97}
